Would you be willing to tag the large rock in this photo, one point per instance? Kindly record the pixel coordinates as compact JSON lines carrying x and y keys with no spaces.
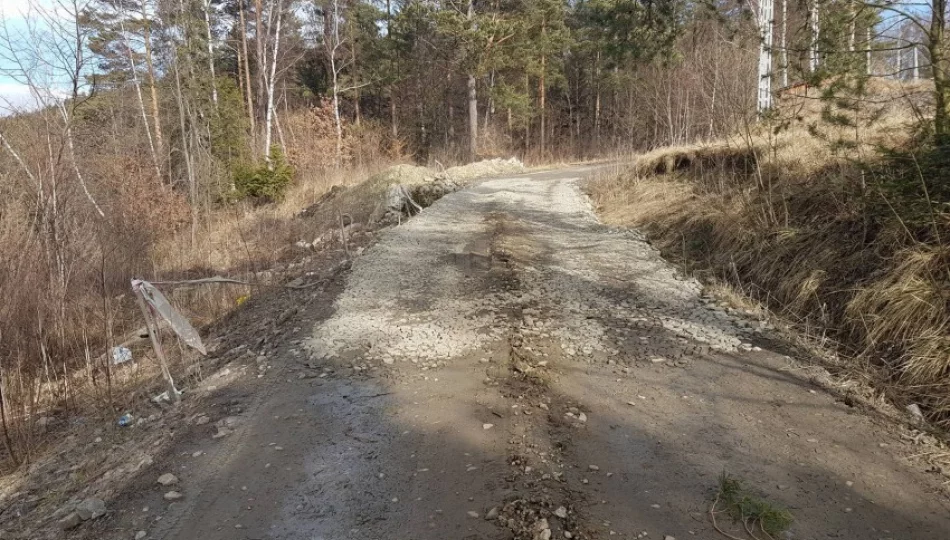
{"x":91,"y":508}
{"x":167,"y":479}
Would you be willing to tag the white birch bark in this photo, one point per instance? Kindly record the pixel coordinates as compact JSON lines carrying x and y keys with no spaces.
{"x":269,"y":120}
{"x":72,"y":158}
{"x":473,"y":103}
{"x":138,"y":94}
{"x":214,"y":82}
{"x":813,"y":59}
{"x":333,"y":43}
{"x":784,"y":44}
{"x":766,"y":22}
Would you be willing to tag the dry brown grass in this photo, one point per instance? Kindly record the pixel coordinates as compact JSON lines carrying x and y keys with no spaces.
{"x":259,"y":244}
{"x":798,"y":227}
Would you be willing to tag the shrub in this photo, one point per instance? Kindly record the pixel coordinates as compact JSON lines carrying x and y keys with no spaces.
{"x":267,"y":181}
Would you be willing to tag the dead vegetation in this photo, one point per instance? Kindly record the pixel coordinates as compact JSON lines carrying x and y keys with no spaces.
{"x":848,"y":244}
{"x":50,"y":380}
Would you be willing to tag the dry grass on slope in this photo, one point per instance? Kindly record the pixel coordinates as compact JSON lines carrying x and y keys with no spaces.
{"x":262,"y":245}
{"x":818,"y":237}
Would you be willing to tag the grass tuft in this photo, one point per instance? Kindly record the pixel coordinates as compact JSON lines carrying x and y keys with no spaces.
{"x":754,"y":513}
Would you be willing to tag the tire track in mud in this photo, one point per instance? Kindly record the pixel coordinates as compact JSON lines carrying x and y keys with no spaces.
{"x":545,"y":506}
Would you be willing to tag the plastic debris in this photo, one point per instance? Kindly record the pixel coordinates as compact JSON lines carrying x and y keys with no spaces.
{"x":159,"y":304}
{"x":163,"y":397}
{"x":121,"y":355}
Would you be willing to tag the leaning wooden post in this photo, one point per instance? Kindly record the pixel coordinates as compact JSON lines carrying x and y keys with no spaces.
{"x":152,"y":328}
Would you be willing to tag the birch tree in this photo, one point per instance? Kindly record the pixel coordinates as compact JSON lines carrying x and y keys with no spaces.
{"x":766,"y":23}
{"x":815,"y":31}
{"x":276,"y":12}
{"x":333,"y":44}
{"x":122,"y":42}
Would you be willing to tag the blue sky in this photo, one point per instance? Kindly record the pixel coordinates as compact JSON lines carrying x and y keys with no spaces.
{"x":11,"y":12}
{"x":13,"y":16}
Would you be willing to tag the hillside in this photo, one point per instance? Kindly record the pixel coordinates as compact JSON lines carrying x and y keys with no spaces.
{"x":848,"y":244}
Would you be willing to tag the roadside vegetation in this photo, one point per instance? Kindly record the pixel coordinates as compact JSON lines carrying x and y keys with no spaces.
{"x":848,"y":242}
{"x":758,"y":517}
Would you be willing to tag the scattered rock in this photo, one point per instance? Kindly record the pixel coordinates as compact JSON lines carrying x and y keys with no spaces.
{"x":173,"y":496}
{"x":561,"y":512}
{"x":916,"y":415}
{"x":668,"y":537}
{"x":71,"y":521}
{"x":167,"y":479}
{"x":492,"y":514}
{"x":200,"y":421}
{"x":522,"y":367}
{"x":91,"y":508}
{"x":140,"y":535}
{"x":488,"y":426}
{"x":472,"y":514}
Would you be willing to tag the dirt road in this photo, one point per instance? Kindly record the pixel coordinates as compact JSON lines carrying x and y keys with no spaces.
{"x":503,"y":366}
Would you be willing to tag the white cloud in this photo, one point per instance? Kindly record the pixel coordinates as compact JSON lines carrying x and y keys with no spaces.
{"x":15,"y":97}
{"x":13,"y":8}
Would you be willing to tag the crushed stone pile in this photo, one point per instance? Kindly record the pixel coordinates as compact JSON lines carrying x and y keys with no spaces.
{"x":412,"y":188}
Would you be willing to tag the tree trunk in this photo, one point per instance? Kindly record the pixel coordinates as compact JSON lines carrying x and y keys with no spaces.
{"x":490,"y":107}
{"x":138,"y":93}
{"x":852,"y":35}
{"x":597,"y":100}
{"x":214,"y":83}
{"x":916,"y":62}
{"x":247,"y":71}
{"x":269,"y":122}
{"x":941,"y":77}
{"x":153,"y":89}
{"x":259,"y":38}
{"x":192,"y":182}
{"x":472,"y":120}
{"x":541,"y":91}
{"x":784,"y":44}
{"x":813,"y":59}
{"x":472,"y":103}
{"x":331,"y":20}
{"x":394,"y":126}
{"x":764,"y":102}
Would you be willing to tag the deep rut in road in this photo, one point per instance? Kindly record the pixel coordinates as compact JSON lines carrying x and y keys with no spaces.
{"x":502,"y":366}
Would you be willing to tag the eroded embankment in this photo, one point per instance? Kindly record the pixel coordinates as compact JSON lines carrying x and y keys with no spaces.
{"x":820,"y":240}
